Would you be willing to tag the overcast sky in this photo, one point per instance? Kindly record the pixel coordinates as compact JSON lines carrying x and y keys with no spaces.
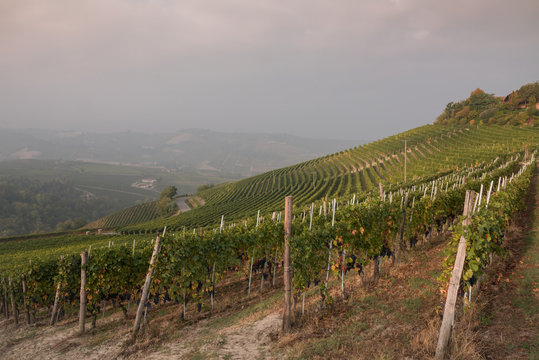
{"x":343,"y":69}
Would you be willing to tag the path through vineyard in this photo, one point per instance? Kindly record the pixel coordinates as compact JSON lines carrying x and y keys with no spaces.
{"x":246,"y":338}
{"x":509,"y":305}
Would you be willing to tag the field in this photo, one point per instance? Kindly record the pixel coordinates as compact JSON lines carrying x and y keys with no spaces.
{"x":399,"y":236}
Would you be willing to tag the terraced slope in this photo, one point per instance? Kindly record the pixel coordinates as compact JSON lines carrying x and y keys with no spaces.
{"x":431,"y":149}
{"x":131,"y":215}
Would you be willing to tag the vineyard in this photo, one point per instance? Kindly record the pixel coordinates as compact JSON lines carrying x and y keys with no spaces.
{"x":132,"y":215}
{"x":353,"y":211}
{"x":431,"y":150}
{"x":18,"y":251}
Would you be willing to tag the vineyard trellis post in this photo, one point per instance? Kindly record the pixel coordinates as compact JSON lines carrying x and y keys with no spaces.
{"x":145,"y":289}
{"x":3,"y":305}
{"x":405,"y":158}
{"x":56,"y":299}
{"x":286,"y":267}
{"x":82,"y":309}
{"x":6,"y":300}
{"x":400,"y":244}
{"x":452,"y":291}
{"x":25,"y":304}
{"x":13,"y":304}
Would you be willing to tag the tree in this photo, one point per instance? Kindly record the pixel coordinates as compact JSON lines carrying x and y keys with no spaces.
{"x":169,"y":192}
{"x":528,"y":90}
{"x":531,"y":106}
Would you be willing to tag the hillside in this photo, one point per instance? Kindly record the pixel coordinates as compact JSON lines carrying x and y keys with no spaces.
{"x":214,"y":292}
{"x":518,"y":108}
{"x":389,"y":311}
{"x":132,"y":215}
{"x":431,"y":149}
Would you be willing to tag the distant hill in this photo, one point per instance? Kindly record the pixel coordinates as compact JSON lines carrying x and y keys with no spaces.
{"x":232,"y":155}
{"x":518,"y":108}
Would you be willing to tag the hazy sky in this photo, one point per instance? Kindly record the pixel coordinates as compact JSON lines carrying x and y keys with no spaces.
{"x":349,"y":69}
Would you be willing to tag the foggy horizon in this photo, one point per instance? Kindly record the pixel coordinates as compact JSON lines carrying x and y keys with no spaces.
{"x":225,"y":131}
{"x":341,"y":70}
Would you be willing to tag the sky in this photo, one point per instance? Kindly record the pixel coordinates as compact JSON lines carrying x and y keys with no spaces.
{"x":340,"y":69}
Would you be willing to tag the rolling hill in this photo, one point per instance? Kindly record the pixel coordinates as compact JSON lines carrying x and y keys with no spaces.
{"x":430,"y":150}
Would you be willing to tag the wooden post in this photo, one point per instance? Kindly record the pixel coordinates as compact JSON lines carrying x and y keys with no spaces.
{"x":400,"y":244}
{"x":250,"y":274}
{"x":212,"y":294}
{"x":343,"y":266}
{"x":311,"y":216}
{"x":55,"y":307}
{"x":376,"y":269}
{"x":452,"y":291}
{"x":26,"y":309}
{"x":145,"y":289}
{"x":264,"y":268}
{"x":330,"y":246}
{"x":56,"y":300}
{"x":2,"y":304}
{"x":286,"y":256}
{"x":183,"y":285}
{"x":13,"y":304}
{"x":405,"y":159}
{"x":274,"y":269}
{"x":6,"y":306}
{"x":82,"y":309}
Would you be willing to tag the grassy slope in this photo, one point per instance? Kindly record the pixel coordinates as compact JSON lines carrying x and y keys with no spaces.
{"x":508,"y":307}
{"x":393,"y":319}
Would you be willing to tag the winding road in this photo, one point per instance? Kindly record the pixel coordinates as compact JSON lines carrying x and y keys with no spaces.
{"x":182,"y":204}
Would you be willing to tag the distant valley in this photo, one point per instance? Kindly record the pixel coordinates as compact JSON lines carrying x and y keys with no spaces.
{"x":51,"y":180}
{"x":232,"y":155}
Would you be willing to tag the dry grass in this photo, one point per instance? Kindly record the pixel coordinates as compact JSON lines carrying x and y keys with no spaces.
{"x":392,"y":319}
{"x":506,"y":313}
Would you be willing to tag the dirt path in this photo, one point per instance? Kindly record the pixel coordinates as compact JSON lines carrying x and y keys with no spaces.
{"x":60,"y":342}
{"x":241,"y":341}
{"x":182,"y":204}
{"x":242,"y":333}
{"x":251,"y":341}
{"x":509,"y":301}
